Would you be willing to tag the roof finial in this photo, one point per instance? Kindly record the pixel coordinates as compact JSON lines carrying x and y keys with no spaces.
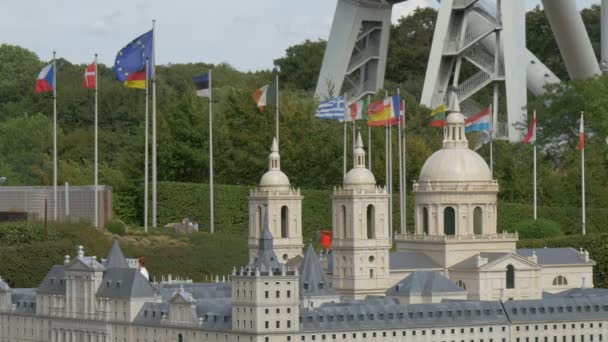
{"x":454,"y":103}
{"x":359,"y":153}
{"x":274,"y":159}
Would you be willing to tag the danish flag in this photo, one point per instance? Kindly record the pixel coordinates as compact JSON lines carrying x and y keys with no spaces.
{"x":89,"y":77}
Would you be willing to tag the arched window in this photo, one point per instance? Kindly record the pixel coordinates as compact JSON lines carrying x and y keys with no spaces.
{"x":449,"y":221}
{"x":510,"y":277}
{"x":477,"y":221}
{"x":462,"y":284}
{"x":259,"y":220}
{"x":284,"y":221}
{"x":425,"y":221}
{"x":560,"y":280}
{"x":344,"y":226}
{"x":371,"y":218}
{"x":371,"y":273}
{"x":180,"y":338}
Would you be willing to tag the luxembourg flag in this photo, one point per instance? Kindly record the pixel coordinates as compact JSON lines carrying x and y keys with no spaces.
{"x":479,"y":122}
{"x":46,"y":79}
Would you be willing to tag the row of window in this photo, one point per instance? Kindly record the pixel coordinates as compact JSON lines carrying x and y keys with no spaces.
{"x":284,"y":220}
{"x":449,"y":221}
{"x":556,"y":326}
{"x":370,"y":225}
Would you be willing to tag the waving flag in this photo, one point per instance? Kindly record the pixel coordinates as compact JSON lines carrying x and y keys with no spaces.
{"x":88,"y":82}
{"x":131,"y":59}
{"x":202,"y":84}
{"x":479,"y":122}
{"x":45,"y":81}
{"x":581,"y":135}
{"x":325,"y":239}
{"x":357,"y":110}
{"x":531,"y":135}
{"x":438,"y":117}
{"x":384,"y":112}
{"x":266,"y":96}
{"x":332,"y":109}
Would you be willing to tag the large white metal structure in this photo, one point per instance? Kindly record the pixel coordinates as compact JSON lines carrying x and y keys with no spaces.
{"x":476,"y":44}
{"x":355,"y":56}
{"x":490,"y":36}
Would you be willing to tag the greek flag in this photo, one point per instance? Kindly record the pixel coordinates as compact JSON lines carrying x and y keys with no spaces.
{"x":332,"y":109}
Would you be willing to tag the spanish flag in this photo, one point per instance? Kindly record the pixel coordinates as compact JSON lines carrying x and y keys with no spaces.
{"x":385,"y":112}
{"x":136,"y":80}
{"x":438,"y":117}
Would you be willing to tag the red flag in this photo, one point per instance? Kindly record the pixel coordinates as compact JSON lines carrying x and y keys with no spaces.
{"x":88,"y":81}
{"x":531,"y":135}
{"x":325,"y":239}
{"x":581,"y":135}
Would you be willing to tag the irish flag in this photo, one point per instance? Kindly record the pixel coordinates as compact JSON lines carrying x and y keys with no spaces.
{"x":581,"y":135}
{"x":384,"y":112}
{"x":438,"y":117}
{"x":259,"y":97}
{"x":357,"y":110}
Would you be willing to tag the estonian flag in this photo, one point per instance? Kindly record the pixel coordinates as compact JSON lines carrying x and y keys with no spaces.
{"x":201,"y":82}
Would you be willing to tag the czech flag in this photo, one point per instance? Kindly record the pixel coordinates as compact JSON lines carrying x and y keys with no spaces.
{"x":46,"y":79}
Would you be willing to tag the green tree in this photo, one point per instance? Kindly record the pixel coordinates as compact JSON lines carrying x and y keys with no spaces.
{"x":301,"y":66}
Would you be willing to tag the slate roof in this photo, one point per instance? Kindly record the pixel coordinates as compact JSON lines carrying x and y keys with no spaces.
{"x":151,"y":313}
{"x":88,"y":262}
{"x":471,"y":263}
{"x":313,"y":281}
{"x":379,"y":313}
{"x":24,"y":300}
{"x":116,"y":259}
{"x":557,"y":309}
{"x":411,"y":261}
{"x":266,"y":261}
{"x":54,"y":281}
{"x":217,"y":313}
{"x":584,"y":292}
{"x":197,"y":290}
{"x":424,"y":282}
{"x":555,"y":256}
{"x":125,"y":283}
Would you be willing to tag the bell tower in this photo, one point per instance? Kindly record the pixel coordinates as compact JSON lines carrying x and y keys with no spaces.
{"x":361,"y":239}
{"x":284,"y":205}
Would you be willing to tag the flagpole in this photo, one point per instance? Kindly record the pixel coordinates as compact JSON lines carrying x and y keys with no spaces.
{"x":404,"y":171}
{"x":146,"y":161}
{"x":389,"y":185}
{"x":154,"y":174}
{"x":54,"y":137}
{"x":369,"y":142}
{"x":276,"y":115}
{"x":96,"y":176}
{"x":492,"y":143}
{"x":583,"y":176}
{"x":354,"y":133}
{"x":344,"y":155}
{"x":211,"y":226}
{"x":535,"y":184}
{"x":400,"y":160}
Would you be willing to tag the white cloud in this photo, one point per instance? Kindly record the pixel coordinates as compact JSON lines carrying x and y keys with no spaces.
{"x":106,"y":23}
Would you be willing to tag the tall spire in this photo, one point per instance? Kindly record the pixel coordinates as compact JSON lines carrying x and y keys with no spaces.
{"x":266,"y":261}
{"x":454,"y":130}
{"x":359,"y":153}
{"x":274,"y":159}
{"x":115,"y":258}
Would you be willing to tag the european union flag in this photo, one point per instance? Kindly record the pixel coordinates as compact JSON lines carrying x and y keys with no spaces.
{"x":132,"y":58}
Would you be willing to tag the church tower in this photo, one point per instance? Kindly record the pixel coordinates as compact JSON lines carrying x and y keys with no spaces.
{"x":284,"y":205}
{"x":361,"y":239}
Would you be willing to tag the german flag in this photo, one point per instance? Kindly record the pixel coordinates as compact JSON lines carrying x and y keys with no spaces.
{"x":136,"y":80}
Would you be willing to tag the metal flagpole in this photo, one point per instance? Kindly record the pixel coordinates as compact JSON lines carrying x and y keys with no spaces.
{"x":154,"y":174}
{"x":344,"y":156}
{"x":583,"y":177}
{"x":492,"y":143}
{"x":54,"y":137}
{"x":96,"y":153}
{"x":277,"y":108}
{"x":534,"y":156}
{"x":354,"y":136}
{"x":404,"y":172}
{"x":369,"y":142}
{"x":400,"y":160}
{"x":389,"y":185}
{"x":146,"y":162}
{"x":211,"y":227}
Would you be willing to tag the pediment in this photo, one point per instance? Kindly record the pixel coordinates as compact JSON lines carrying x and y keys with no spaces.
{"x":77,"y":265}
{"x":519,"y":262}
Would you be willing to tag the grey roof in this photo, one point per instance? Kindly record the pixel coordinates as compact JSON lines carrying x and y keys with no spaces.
{"x":424,"y":282}
{"x":411,"y":261}
{"x":54,"y":281}
{"x":471,"y":263}
{"x":266,"y":261}
{"x":115,"y":258}
{"x":554,"y":256}
{"x":312,"y":277}
{"x":581,"y":292}
{"x":125,"y":283}
{"x":87,"y":262}
{"x":151,"y":313}
{"x":381,"y":313}
{"x":198,"y":290}
{"x":24,"y":300}
{"x":216,"y":313}
{"x":557,"y":309}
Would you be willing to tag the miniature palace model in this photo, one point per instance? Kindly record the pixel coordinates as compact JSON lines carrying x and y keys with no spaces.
{"x":454,"y":279}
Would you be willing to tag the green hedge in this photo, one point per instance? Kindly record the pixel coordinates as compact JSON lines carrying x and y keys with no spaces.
{"x":12,"y":233}
{"x":538,"y":229}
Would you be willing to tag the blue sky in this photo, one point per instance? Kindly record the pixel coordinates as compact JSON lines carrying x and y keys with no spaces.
{"x":247,"y":34}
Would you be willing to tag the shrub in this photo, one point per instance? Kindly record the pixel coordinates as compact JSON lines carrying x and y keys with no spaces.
{"x":116,"y":226}
{"x":22,"y":232}
{"x":538,"y":229}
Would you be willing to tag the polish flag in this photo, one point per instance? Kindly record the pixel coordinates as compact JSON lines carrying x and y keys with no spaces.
{"x":581,"y":135}
{"x":45,"y":80}
{"x":531,"y":136}
{"x":89,"y":77}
